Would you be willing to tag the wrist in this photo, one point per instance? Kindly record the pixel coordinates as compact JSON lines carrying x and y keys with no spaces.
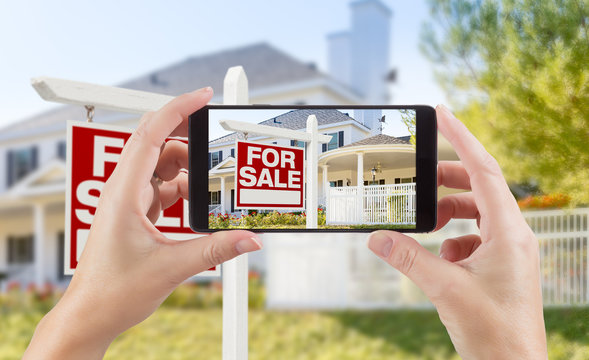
{"x":70,"y":331}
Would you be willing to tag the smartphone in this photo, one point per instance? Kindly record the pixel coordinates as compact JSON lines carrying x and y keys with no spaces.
{"x":332,"y":168}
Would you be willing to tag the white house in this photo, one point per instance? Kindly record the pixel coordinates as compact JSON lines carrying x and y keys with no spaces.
{"x":32,"y":153}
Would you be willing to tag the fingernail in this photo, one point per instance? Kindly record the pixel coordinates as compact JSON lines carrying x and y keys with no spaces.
{"x":249,"y":244}
{"x":380,"y":243}
{"x":445,"y":109}
{"x":442,"y":255}
{"x":204,"y":90}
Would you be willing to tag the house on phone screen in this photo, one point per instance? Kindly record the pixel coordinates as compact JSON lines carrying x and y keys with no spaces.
{"x":358,"y":154}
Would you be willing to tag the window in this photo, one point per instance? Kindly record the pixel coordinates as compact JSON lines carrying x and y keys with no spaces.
{"x":376,"y":182}
{"x":60,"y":256}
{"x":337,"y":140}
{"x":406,"y":180}
{"x":215,"y":158}
{"x":336,"y":183}
{"x":20,"y":249}
{"x":20,"y":163}
{"x":214,"y":197}
{"x":61,"y":150}
{"x":297,"y":143}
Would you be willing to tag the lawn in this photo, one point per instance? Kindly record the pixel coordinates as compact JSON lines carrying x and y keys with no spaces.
{"x":188,"y":333}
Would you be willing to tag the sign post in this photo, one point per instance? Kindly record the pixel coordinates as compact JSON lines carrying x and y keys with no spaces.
{"x":311,"y":137}
{"x":235,"y":271}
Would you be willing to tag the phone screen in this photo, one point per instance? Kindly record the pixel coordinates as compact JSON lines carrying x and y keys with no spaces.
{"x":311,"y":168}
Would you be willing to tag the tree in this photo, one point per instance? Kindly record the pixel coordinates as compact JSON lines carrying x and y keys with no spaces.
{"x":518,"y":71}
{"x":408,"y":118}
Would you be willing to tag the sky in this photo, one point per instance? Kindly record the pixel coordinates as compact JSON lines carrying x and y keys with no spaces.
{"x":110,"y":41}
{"x":393,"y":125}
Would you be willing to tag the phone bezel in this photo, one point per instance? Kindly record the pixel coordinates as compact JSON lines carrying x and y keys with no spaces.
{"x":426,"y":162}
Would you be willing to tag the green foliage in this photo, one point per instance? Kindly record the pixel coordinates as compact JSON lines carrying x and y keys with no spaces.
{"x":517,"y":71}
{"x":268,"y":220}
{"x":408,"y":117}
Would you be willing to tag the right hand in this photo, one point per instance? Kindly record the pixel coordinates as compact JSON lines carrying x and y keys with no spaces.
{"x":485,"y":288}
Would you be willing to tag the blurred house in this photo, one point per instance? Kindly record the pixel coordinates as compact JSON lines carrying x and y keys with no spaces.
{"x":32,"y":153}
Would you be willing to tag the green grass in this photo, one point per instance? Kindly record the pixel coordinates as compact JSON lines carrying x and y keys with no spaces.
{"x":174,"y":333}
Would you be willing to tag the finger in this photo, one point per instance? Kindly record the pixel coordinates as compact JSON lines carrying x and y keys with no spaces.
{"x":173,"y":158}
{"x":151,"y":205}
{"x":140,"y":155}
{"x":457,"y":206}
{"x":488,"y":185}
{"x":171,"y":191}
{"x":456,"y":249}
{"x":426,"y":270}
{"x":452,"y":174}
{"x":190,"y":257}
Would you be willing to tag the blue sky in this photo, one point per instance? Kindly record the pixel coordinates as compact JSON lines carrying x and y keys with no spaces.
{"x":110,"y":41}
{"x":392,"y":126}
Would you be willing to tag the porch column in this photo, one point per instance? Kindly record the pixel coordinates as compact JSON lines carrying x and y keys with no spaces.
{"x":325,"y":190}
{"x":360,"y":188}
{"x":360,"y":169}
{"x":222,"y":194}
{"x":39,"y":239}
{"x":325,"y":181}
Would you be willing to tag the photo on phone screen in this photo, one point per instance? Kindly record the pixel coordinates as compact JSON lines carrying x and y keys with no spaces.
{"x":365,"y":169}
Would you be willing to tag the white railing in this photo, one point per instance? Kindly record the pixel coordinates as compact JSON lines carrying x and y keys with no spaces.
{"x":374,"y":204}
{"x":563,"y":238}
{"x":214,"y":208}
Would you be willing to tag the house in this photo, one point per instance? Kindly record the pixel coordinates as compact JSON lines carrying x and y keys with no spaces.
{"x":32,"y":152}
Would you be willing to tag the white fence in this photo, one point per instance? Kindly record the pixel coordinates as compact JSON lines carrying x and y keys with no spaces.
{"x":334,"y":271}
{"x":563,"y":236}
{"x":374,"y":204}
{"x":214,"y":208}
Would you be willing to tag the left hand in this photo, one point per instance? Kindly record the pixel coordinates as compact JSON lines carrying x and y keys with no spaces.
{"x":128,"y":267}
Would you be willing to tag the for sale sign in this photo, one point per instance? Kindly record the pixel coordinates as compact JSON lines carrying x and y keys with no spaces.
{"x":93,"y":151}
{"x":269,"y":176}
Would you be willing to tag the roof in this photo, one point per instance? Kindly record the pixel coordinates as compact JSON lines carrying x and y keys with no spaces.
{"x":295,"y":120}
{"x":264,"y":65}
{"x":380,"y":139}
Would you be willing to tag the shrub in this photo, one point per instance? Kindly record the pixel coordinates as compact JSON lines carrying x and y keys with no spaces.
{"x":551,"y":201}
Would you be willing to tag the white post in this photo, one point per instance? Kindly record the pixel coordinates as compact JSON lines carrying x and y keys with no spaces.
{"x":325,"y":189}
{"x":222,"y":195}
{"x":325,"y":180}
{"x":360,"y":187}
{"x":235,"y":271}
{"x":312,"y":159}
{"x":39,"y":238}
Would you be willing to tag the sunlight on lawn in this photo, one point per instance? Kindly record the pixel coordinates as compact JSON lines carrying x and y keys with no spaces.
{"x":174,"y":333}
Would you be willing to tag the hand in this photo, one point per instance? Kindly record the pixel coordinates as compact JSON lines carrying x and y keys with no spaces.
{"x":128,"y":267}
{"x":485,"y":288}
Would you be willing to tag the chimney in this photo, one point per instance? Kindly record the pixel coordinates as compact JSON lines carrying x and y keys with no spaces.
{"x":338,"y":56}
{"x":370,"y":118}
{"x":359,"y":57}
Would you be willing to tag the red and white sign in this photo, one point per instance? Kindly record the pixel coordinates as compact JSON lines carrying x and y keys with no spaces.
{"x":269,"y":176}
{"x":93,"y":151}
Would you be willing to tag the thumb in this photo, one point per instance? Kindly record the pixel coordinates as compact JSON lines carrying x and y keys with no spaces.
{"x":429,"y":272}
{"x":194,"y":256}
